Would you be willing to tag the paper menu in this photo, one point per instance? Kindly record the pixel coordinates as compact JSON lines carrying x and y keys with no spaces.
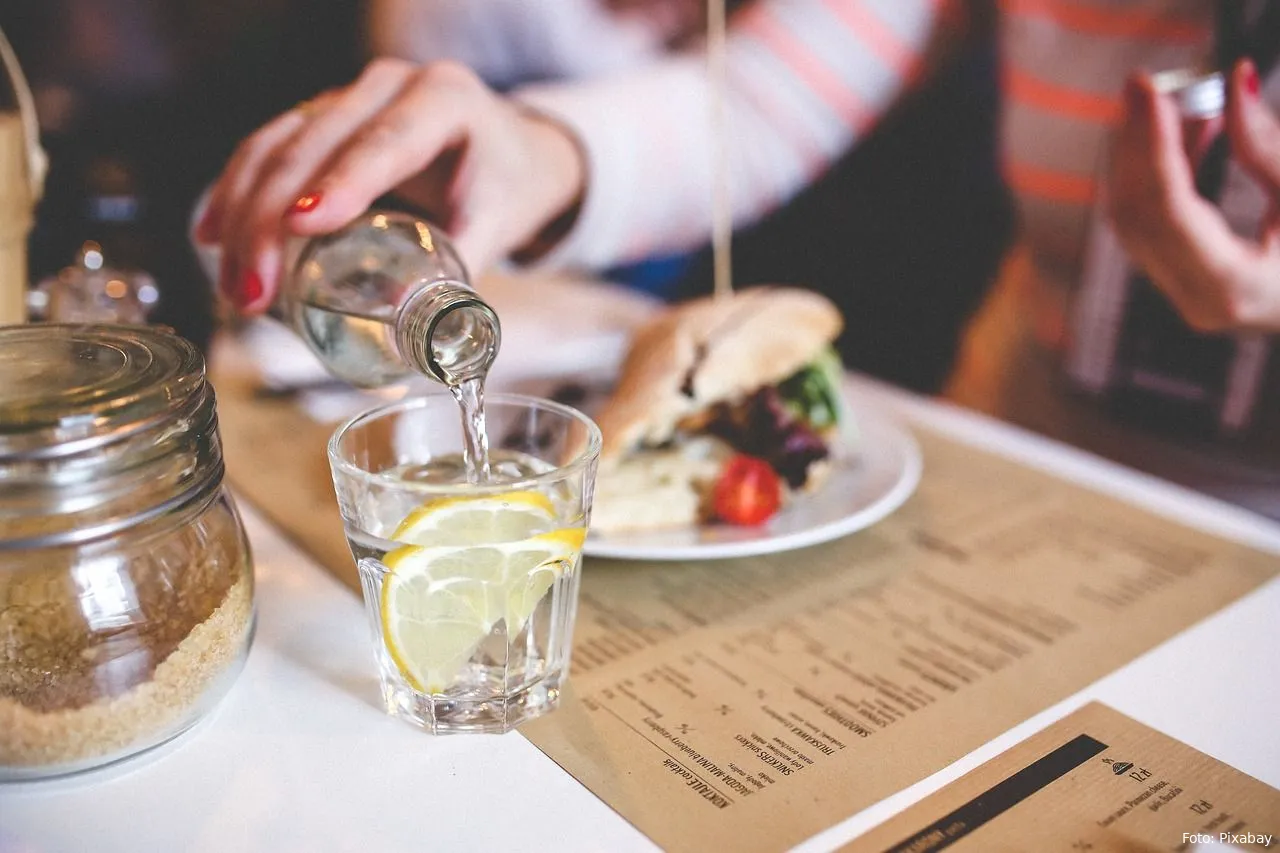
{"x":750,"y":704}
{"x":1094,"y":782}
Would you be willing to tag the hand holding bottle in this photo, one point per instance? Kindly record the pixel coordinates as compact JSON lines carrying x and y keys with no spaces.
{"x":492,"y":173}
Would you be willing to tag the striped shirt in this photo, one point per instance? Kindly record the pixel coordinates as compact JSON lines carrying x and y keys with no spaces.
{"x":808,"y":78}
{"x":509,"y":42}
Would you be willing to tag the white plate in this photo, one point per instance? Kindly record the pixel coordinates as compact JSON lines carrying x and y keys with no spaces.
{"x":860,"y":491}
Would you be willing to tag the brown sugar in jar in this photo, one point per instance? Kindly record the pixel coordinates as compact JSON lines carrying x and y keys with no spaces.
{"x":126,"y":590}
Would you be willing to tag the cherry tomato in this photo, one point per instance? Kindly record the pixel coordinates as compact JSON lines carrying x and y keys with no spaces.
{"x":748,"y":492}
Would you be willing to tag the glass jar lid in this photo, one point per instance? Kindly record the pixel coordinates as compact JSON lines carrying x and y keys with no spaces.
{"x":101,"y":427}
{"x":63,"y":384}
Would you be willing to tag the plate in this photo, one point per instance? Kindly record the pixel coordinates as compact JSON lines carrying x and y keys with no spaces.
{"x":861,"y":491}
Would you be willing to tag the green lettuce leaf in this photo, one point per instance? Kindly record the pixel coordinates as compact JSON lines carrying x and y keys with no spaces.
{"x":813,"y":392}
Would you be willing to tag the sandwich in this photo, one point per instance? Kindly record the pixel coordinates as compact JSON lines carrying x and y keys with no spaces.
{"x":726,"y":409}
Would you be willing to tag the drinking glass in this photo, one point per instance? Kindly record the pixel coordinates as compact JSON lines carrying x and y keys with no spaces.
{"x":470,"y":588}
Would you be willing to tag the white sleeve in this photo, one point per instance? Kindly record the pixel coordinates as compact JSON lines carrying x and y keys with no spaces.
{"x":806,"y":78}
{"x":512,"y":41}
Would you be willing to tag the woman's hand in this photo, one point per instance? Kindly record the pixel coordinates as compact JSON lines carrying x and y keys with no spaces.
{"x":1217,"y":280}
{"x":489,"y":172}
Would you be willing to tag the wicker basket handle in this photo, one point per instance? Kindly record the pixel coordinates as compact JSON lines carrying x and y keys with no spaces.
{"x":37,"y":160}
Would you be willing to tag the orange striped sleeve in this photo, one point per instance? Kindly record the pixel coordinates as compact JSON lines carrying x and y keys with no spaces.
{"x":1050,"y":184}
{"x":1029,"y":90}
{"x":772,"y":32}
{"x":775,"y":109}
{"x":876,"y":36}
{"x":1111,"y":21}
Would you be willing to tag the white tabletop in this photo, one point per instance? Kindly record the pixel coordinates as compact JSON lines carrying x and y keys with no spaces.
{"x":300,"y":758}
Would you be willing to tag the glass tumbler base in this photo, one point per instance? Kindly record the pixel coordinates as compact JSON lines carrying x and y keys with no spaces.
{"x":482,"y":713}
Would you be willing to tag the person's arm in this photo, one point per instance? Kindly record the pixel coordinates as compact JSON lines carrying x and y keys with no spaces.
{"x":806,"y":78}
{"x":508,"y":42}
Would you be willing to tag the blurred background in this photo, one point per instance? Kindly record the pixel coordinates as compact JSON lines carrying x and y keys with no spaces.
{"x":142,"y":101}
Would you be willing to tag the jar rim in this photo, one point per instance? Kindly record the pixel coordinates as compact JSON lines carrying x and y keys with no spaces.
{"x":197,"y":495}
{"x":67,"y":388}
{"x":102,"y":428}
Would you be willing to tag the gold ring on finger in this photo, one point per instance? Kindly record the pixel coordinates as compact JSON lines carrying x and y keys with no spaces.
{"x":308,"y":108}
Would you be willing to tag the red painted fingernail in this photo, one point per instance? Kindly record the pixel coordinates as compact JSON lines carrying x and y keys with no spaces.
{"x":250,"y":289}
{"x":1252,"y":82}
{"x":307,"y":203}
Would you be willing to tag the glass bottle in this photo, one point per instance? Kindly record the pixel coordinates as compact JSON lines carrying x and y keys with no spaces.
{"x":387,"y":297}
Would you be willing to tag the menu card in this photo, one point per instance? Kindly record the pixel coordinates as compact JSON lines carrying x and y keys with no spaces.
{"x":1094,"y":781}
{"x":749,"y":704}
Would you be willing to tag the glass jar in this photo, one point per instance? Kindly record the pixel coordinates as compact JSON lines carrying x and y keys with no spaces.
{"x":91,"y":291}
{"x":126,"y":589}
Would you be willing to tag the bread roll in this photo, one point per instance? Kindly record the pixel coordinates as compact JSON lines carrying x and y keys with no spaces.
{"x":708,"y":351}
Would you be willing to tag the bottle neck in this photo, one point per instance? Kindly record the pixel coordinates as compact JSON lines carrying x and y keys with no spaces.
{"x":448,"y":332}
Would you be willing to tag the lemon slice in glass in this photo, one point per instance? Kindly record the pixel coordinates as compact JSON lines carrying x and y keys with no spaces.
{"x":440,"y":602}
{"x":510,"y":517}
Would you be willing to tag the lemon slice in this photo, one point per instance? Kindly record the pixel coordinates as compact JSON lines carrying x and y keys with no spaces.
{"x":512,"y":517}
{"x":440,"y":602}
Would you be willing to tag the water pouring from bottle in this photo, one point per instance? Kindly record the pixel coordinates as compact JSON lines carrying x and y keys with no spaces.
{"x":388,"y":297}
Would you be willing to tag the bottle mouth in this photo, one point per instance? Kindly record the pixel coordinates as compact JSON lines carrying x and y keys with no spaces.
{"x":459,"y":340}
{"x":462,"y":341}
